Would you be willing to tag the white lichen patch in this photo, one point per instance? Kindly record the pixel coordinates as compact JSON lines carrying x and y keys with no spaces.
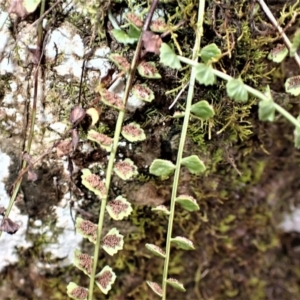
{"x":59,"y":127}
{"x":291,"y":221}
{"x":67,"y":241}
{"x":6,"y":45}
{"x":118,"y":86}
{"x":101,"y":64}
{"x":57,"y":93}
{"x":134,"y":103}
{"x":102,"y":52}
{"x":98,"y":66}
{"x":70,"y":66}
{"x":67,"y":6}
{"x":64,"y":40}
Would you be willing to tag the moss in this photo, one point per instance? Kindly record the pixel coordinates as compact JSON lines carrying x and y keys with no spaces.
{"x":95,"y":12}
{"x":237,"y":252}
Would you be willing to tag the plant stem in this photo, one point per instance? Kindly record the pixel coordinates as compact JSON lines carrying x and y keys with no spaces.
{"x":113,"y":152}
{"x":33,"y":115}
{"x":199,"y":33}
{"x":250,"y":89}
{"x":108,"y":181}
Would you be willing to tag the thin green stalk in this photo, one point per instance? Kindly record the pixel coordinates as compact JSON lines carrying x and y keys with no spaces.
{"x":113,"y":152}
{"x":199,"y":33}
{"x":33,"y":116}
{"x":250,"y":89}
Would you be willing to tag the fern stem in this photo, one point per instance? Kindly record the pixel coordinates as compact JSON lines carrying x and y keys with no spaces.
{"x":199,"y":33}
{"x":109,"y":173}
{"x":113,"y":152}
{"x":249,"y":89}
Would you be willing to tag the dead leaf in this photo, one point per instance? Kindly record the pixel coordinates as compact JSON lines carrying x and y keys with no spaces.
{"x":7,"y":225}
{"x":27,"y":158}
{"x":106,"y":80}
{"x":63,"y":148}
{"x":32,"y":176}
{"x":152,"y":42}
{"x":70,"y":167}
{"x":16,"y":7}
{"x":75,"y":138}
{"x":76,"y":115}
{"x":154,"y":198}
{"x":35,"y":54}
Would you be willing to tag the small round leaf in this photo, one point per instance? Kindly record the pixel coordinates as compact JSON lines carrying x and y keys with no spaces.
{"x":236,"y":90}
{"x":148,"y":70}
{"x":112,"y":242}
{"x":111,"y":99}
{"x":133,"y":132}
{"x":193,"y":164}
{"x":77,"y":292}
{"x":155,"y":287}
{"x":168,"y":57}
{"x":93,"y":182}
{"x":161,"y":208}
{"x":119,"y":208}
{"x":205,"y":74}
{"x":158,"y":25}
{"x":156,"y":250}
{"x":143,"y":92}
{"x":87,"y":229}
{"x":162,"y":167}
{"x":134,"y":32}
{"x":278,"y":53}
{"x":183,"y":243}
{"x":187,"y":202}
{"x":292,"y":85}
{"x":125,"y":169}
{"x":203,"y":110}
{"x":83,"y":262}
{"x":105,"y":279}
{"x":121,"y":62}
{"x":122,"y":37}
{"x":210,"y":53}
{"x":134,"y":19}
{"x":266,"y":111}
{"x":103,"y":140}
{"x":176,"y":284}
